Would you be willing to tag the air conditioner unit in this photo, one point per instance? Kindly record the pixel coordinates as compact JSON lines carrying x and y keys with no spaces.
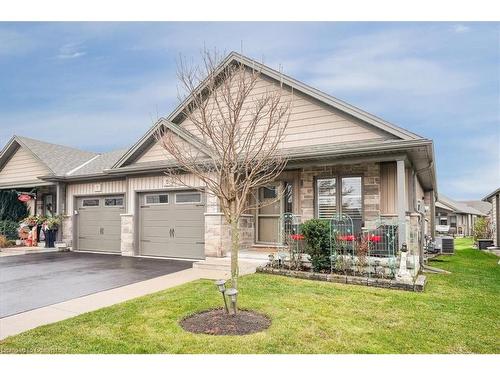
{"x":445,"y":244}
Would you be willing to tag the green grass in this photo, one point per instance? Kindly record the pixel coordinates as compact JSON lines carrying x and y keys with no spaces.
{"x":457,"y":313}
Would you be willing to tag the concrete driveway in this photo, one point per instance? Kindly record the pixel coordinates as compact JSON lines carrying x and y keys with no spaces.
{"x":32,"y":281}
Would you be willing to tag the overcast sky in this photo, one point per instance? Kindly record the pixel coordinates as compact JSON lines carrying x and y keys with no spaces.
{"x":99,"y":86}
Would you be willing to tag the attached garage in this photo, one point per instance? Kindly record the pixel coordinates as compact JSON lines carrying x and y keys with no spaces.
{"x":172,"y":224}
{"x":99,"y":223}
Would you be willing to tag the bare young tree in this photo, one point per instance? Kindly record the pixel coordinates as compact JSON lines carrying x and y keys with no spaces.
{"x":242,"y":128}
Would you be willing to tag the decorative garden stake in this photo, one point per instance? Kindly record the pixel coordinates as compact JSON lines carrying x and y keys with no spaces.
{"x":233,"y":294}
{"x":403,"y":274}
{"x":221,"y":285}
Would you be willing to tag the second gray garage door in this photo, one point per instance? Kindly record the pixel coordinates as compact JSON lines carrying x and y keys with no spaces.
{"x":99,"y":223}
{"x":171,"y":224}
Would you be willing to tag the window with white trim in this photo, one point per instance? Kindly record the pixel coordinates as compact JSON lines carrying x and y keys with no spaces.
{"x":185,"y":198}
{"x":156,"y":198}
{"x":340,"y":195}
{"x":327,"y":197}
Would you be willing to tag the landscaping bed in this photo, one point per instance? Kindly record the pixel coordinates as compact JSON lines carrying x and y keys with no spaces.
{"x":418,"y":285}
{"x":218,"y":322}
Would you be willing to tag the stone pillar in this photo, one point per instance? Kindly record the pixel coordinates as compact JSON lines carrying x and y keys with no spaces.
{"x":67,"y":230}
{"x":127,"y":235}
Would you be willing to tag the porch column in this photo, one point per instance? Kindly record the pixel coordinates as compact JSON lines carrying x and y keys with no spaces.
{"x":60,"y":206}
{"x":432,"y":207}
{"x":400,"y":175}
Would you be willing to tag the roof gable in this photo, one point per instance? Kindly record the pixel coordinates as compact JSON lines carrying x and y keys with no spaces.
{"x":18,"y":165}
{"x":149,"y":141}
{"x":286,"y":81}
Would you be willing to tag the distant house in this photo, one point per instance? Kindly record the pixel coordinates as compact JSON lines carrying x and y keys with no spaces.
{"x":341,"y":160}
{"x":458,"y":218}
{"x":494,"y":199}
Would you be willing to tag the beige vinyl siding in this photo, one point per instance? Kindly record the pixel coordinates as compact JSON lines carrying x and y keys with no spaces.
{"x":158,"y":153}
{"x":155,"y":153}
{"x":22,"y":167}
{"x":156,"y":183}
{"x":312,"y":122}
{"x":93,"y":188}
{"x":388,"y":188}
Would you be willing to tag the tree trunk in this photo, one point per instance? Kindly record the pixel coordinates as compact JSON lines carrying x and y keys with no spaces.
{"x":235,"y":247}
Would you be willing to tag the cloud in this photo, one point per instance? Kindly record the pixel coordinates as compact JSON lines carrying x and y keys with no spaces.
{"x":71,"y":51}
{"x":459,"y":29}
{"x":386,"y":61}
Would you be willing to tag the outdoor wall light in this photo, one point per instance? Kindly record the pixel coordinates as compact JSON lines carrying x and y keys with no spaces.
{"x":221,"y":285}
{"x":404,"y":248}
{"x":233,"y":294}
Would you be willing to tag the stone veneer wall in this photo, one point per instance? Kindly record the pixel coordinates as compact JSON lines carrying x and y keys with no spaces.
{"x":218,"y":234}
{"x":127,"y":245}
{"x":371,"y":188}
{"x":67,"y":230}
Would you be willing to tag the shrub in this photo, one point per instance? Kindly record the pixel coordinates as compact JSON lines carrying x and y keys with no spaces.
{"x":317,"y":236}
{"x":10,"y":207}
{"x":3,"y":241}
{"x":9,"y":228}
{"x":482,"y":229}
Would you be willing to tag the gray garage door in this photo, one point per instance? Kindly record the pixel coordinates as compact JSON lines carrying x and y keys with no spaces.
{"x":99,"y":223}
{"x":172,"y":224}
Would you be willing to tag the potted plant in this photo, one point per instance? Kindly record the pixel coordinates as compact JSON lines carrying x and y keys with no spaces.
{"x":30,"y":221}
{"x":39,"y":222}
{"x":51,"y":227}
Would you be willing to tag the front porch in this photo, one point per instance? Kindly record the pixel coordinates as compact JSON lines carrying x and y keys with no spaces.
{"x":373,"y":194}
{"x":43,"y":199}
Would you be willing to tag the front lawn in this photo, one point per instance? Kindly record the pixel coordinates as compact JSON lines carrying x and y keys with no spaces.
{"x":457,"y":313}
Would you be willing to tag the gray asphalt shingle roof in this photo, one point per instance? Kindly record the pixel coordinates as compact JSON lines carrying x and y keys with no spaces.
{"x":99,"y":163}
{"x":459,"y":206}
{"x":481,"y":206}
{"x":69,"y":161}
{"x":60,"y":159}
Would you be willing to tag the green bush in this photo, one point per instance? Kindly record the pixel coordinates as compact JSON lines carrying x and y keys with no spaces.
{"x":10,"y":207}
{"x":9,"y":228}
{"x":482,"y":229}
{"x":317,"y":236}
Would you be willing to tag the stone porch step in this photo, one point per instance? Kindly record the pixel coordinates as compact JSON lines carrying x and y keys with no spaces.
{"x":246,"y":266}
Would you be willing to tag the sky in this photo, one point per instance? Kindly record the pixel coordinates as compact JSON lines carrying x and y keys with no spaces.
{"x":100,"y":86}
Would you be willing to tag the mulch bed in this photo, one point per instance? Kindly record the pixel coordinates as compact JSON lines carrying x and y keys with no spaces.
{"x":217,"y":322}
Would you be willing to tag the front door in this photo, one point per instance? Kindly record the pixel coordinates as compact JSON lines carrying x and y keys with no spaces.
{"x":269,"y":214}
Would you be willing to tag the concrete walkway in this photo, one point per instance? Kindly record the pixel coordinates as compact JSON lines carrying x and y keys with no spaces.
{"x":23,"y":250}
{"x":15,"y":324}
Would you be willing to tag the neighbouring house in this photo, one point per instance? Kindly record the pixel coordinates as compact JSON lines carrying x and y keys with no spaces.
{"x":457,"y":218}
{"x":341,"y":159}
{"x":494,"y":199}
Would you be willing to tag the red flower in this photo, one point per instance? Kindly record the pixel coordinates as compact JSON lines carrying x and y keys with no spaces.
{"x":374,"y":238}
{"x":349,"y":237}
{"x":297,"y":237}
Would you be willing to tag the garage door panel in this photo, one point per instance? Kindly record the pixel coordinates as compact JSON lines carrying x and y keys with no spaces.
{"x":190,"y":232}
{"x":99,"y":228}
{"x":187,"y":220}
